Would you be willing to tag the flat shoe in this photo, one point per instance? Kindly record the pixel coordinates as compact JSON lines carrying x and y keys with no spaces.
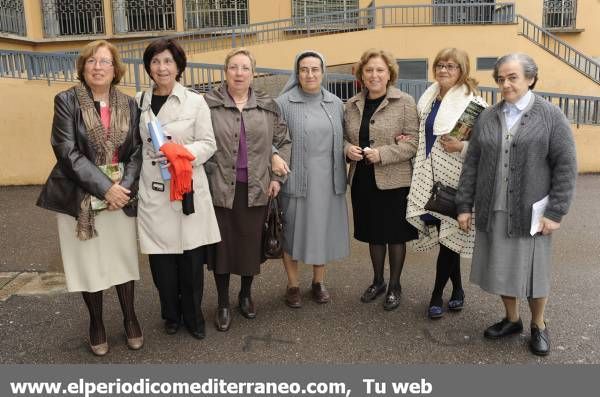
{"x":503,"y":328}
{"x":135,"y":343}
{"x":435,"y":312}
{"x":223,"y":319}
{"x":319,"y":293}
{"x":171,"y":327}
{"x":539,"y":344}
{"x":99,"y":350}
{"x":198,"y":334}
{"x":293,"y":298}
{"x":372,"y":292}
{"x":456,"y":305}
{"x":247,"y":307}
{"x":392,"y":300}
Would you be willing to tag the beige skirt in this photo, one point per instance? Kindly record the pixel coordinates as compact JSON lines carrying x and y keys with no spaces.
{"x":111,"y":258}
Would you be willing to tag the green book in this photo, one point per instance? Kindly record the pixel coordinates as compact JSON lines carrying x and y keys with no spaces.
{"x":465,"y":123}
{"x":115,"y":173}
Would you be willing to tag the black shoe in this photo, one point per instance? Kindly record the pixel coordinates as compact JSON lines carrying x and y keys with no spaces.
{"x":456,"y":302}
{"x":539,"y":344}
{"x":223,"y":319}
{"x":372,"y":292}
{"x":503,"y":328}
{"x":198,"y":334}
{"x":171,"y":327}
{"x":247,"y":307}
{"x":392,"y":300}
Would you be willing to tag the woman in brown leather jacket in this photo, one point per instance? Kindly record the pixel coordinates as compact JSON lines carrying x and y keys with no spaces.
{"x":247,"y":126}
{"x":95,"y":138}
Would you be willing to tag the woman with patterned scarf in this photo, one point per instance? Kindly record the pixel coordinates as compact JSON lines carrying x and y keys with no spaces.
{"x":96,"y":141}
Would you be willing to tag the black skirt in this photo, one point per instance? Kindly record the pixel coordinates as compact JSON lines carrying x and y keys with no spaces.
{"x":379,"y":215}
{"x":240,"y":249}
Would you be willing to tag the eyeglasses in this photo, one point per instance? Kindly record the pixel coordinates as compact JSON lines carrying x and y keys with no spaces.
{"x":242,"y":68}
{"x":448,"y":66}
{"x":103,"y":62}
{"x":307,"y":71}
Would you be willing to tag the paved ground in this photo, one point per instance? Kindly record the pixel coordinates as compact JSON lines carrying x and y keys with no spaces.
{"x":41,"y":324}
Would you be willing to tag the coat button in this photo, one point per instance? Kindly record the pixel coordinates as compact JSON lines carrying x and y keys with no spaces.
{"x":372,"y":121}
{"x":514,"y":145}
{"x":232,"y":183}
{"x":237,"y":119}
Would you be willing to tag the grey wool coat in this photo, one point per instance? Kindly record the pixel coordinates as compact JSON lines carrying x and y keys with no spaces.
{"x":292,"y":104}
{"x":542,"y":162}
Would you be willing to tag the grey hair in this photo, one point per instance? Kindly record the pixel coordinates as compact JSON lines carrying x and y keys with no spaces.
{"x":530,"y":68}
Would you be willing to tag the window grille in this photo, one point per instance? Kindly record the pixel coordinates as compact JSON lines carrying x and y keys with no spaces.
{"x":463,"y":12}
{"x":308,"y":8}
{"x":560,"y":13}
{"x":73,"y":17}
{"x":143,"y":15}
{"x":215,"y":13}
{"x":12,"y":17}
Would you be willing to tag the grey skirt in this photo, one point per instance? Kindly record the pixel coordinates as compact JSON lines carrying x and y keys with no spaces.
{"x":511,"y":266}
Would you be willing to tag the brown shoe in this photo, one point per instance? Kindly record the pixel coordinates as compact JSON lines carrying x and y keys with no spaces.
{"x":319,"y":293}
{"x":293,"y":298}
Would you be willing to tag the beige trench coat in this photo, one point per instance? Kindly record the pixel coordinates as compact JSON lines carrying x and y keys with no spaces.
{"x":162,"y":226}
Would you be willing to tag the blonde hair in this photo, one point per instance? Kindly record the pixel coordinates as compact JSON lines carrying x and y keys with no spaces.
{"x":462,"y":60}
{"x":242,"y":51}
{"x":387,"y":57}
{"x":90,"y":49}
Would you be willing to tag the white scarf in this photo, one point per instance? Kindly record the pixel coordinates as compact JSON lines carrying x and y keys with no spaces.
{"x":452,"y":107}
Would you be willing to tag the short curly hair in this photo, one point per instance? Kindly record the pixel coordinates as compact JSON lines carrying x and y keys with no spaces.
{"x":387,"y":57}
{"x":90,"y":49}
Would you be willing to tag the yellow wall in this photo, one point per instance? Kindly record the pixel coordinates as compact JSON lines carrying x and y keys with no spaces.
{"x":26,"y":156}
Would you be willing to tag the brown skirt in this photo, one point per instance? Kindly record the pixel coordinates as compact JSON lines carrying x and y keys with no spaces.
{"x":239,"y":251}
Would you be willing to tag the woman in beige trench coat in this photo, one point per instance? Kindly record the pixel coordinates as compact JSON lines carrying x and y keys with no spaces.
{"x":176,"y":242}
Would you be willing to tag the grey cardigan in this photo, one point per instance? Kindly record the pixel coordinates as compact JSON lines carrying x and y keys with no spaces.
{"x":542,"y":162}
{"x":292,"y":104}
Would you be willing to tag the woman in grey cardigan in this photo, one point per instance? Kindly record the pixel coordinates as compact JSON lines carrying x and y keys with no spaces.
{"x":521,"y":151}
{"x":313,"y":198}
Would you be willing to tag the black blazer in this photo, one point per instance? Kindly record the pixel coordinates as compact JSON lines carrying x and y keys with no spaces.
{"x":75,"y":172}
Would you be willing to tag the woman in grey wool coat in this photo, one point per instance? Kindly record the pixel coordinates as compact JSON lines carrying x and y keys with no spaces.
{"x":521,"y":151}
{"x":313,"y":198}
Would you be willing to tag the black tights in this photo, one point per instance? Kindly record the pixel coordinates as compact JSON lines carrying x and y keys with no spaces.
{"x":222,"y":281}
{"x":397,"y":254}
{"x":93,"y":301}
{"x":447,"y":267}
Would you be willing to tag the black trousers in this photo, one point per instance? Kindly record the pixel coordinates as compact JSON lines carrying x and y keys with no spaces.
{"x":179,"y":279}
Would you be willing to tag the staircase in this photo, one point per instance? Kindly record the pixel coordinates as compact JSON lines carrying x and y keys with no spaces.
{"x":561,"y":50}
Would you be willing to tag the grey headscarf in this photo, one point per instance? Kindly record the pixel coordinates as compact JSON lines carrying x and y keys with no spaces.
{"x":293,"y":80}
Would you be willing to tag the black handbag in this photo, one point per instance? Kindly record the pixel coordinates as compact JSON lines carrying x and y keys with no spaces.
{"x":442,"y":198}
{"x":272,"y":239}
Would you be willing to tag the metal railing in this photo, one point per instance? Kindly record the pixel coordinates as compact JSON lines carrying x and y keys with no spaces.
{"x":560,"y":49}
{"x":212,"y":39}
{"x":60,"y":67}
{"x":446,"y":14}
{"x":12,"y":17}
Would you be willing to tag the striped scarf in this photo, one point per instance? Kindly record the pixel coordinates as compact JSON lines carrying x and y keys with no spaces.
{"x":104,"y":143}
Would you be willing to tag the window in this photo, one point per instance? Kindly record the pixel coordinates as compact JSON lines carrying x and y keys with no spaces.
{"x":486,"y":63}
{"x":215,"y":13}
{"x":73,"y":17}
{"x":560,"y":13}
{"x":307,"y":8}
{"x":12,"y":17}
{"x":459,"y":12}
{"x":412,"y":69}
{"x":143,"y":15}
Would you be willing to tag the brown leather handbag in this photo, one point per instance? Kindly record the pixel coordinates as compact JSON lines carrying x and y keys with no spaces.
{"x":272,"y":239}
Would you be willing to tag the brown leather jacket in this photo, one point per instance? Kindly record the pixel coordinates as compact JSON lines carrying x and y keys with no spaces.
{"x":265,"y":130}
{"x":75,"y":172}
{"x":396,"y":115}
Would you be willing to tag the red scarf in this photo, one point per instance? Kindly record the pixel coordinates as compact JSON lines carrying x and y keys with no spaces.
{"x":180,"y":169}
